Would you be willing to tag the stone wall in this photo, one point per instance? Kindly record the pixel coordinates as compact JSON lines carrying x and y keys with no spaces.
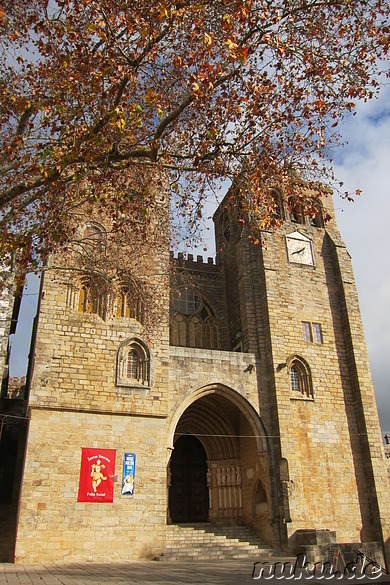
{"x":54,"y":526}
{"x":314,"y":430}
{"x":76,"y":358}
{"x":192,"y":369}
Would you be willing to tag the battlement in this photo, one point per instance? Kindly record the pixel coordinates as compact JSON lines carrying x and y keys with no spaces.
{"x":187,"y":261}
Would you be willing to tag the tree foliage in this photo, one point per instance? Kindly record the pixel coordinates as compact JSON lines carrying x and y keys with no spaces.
{"x":198,"y":89}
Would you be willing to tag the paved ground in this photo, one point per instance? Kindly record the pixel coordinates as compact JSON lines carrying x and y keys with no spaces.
{"x":236,"y":572}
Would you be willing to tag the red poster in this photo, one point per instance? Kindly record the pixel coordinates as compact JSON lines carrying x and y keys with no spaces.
{"x":97,"y":475}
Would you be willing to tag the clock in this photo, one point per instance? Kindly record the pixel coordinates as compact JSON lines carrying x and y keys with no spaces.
{"x":299,"y":249}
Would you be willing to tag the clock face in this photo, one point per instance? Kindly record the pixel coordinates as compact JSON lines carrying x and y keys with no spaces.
{"x":299,"y":249}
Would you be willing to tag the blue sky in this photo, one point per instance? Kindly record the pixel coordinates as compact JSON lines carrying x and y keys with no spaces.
{"x":20,"y":342}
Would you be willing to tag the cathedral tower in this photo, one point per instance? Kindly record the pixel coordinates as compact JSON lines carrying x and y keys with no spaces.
{"x":293,"y":301}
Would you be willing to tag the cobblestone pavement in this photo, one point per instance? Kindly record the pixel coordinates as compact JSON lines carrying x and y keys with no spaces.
{"x":234,"y":572}
{"x":196,"y":572}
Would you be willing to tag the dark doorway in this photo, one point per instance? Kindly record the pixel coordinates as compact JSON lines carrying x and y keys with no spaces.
{"x":188,"y":494}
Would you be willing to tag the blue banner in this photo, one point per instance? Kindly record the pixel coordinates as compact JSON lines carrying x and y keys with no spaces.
{"x":128,"y":474}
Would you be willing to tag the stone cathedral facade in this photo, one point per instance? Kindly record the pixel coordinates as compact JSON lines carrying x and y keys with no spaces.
{"x":248,"y":401}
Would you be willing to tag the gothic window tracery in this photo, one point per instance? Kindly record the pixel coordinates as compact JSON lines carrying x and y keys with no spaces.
{"x":133,"y":366}
{"x":129,"y":306}
{"x":85,"y":304}
{"x":295,"y":379}
{"x":211,"y":332}
{"x":93,"y":239}
{"x":92,"y":299}
{"x":90,"y":294}
{"x":300,"y":377}
{"x":186,"y":300}
{"x":193,"y":322}
{"x":120,"y":304}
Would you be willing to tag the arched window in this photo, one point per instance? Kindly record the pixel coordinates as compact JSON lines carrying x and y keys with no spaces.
{"x":84,"y":300}
{"x":129,"y":306}
{"x":195,"y":331}
{"x":178,"y":330}
{"x":295,"y":382}
{"x":300,"y":377}
{"x":133,"y":366}
{"x":186,"y":300}
{"x":193,"y":323}
{"x":277,"y":203}
{"x":211,"y":333}
{"x":295,"y":211}
{"x":92,"y":299}
{"x":120,"y":304}
{"x":90,"y":295}
{"x":315,"y":215}
{"x":94,"y":239}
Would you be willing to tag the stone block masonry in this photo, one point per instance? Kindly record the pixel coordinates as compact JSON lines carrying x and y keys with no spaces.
{"x":130,"y":527}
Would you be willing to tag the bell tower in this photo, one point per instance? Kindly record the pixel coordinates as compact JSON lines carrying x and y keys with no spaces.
{"x":292,"y":299}
{"x":100,"y":389}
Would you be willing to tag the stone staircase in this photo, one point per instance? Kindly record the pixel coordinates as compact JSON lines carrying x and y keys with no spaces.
{"x":207,"y":541}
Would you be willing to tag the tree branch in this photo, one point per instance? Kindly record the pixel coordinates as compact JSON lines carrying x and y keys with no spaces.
{"x":26,"y":186}
{"x":177,"y":111}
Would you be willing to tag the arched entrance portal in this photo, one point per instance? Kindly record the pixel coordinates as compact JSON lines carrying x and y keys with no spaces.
{"x":188,"y":495}
{"x":219,"y":459}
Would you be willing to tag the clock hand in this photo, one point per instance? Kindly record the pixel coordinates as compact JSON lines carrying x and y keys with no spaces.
{"x":299,"y":251}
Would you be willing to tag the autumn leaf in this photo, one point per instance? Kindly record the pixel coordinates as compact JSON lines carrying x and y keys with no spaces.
{"x":205,"y":92}
{"x":208,"y":39}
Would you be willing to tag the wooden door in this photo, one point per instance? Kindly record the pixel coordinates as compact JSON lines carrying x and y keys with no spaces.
{"x":188,"y":494}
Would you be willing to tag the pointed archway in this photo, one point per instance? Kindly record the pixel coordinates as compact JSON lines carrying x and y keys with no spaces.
{"x":219,"y":457}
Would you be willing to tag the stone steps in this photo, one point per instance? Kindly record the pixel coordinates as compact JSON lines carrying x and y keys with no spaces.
{"x":207,"y":541}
